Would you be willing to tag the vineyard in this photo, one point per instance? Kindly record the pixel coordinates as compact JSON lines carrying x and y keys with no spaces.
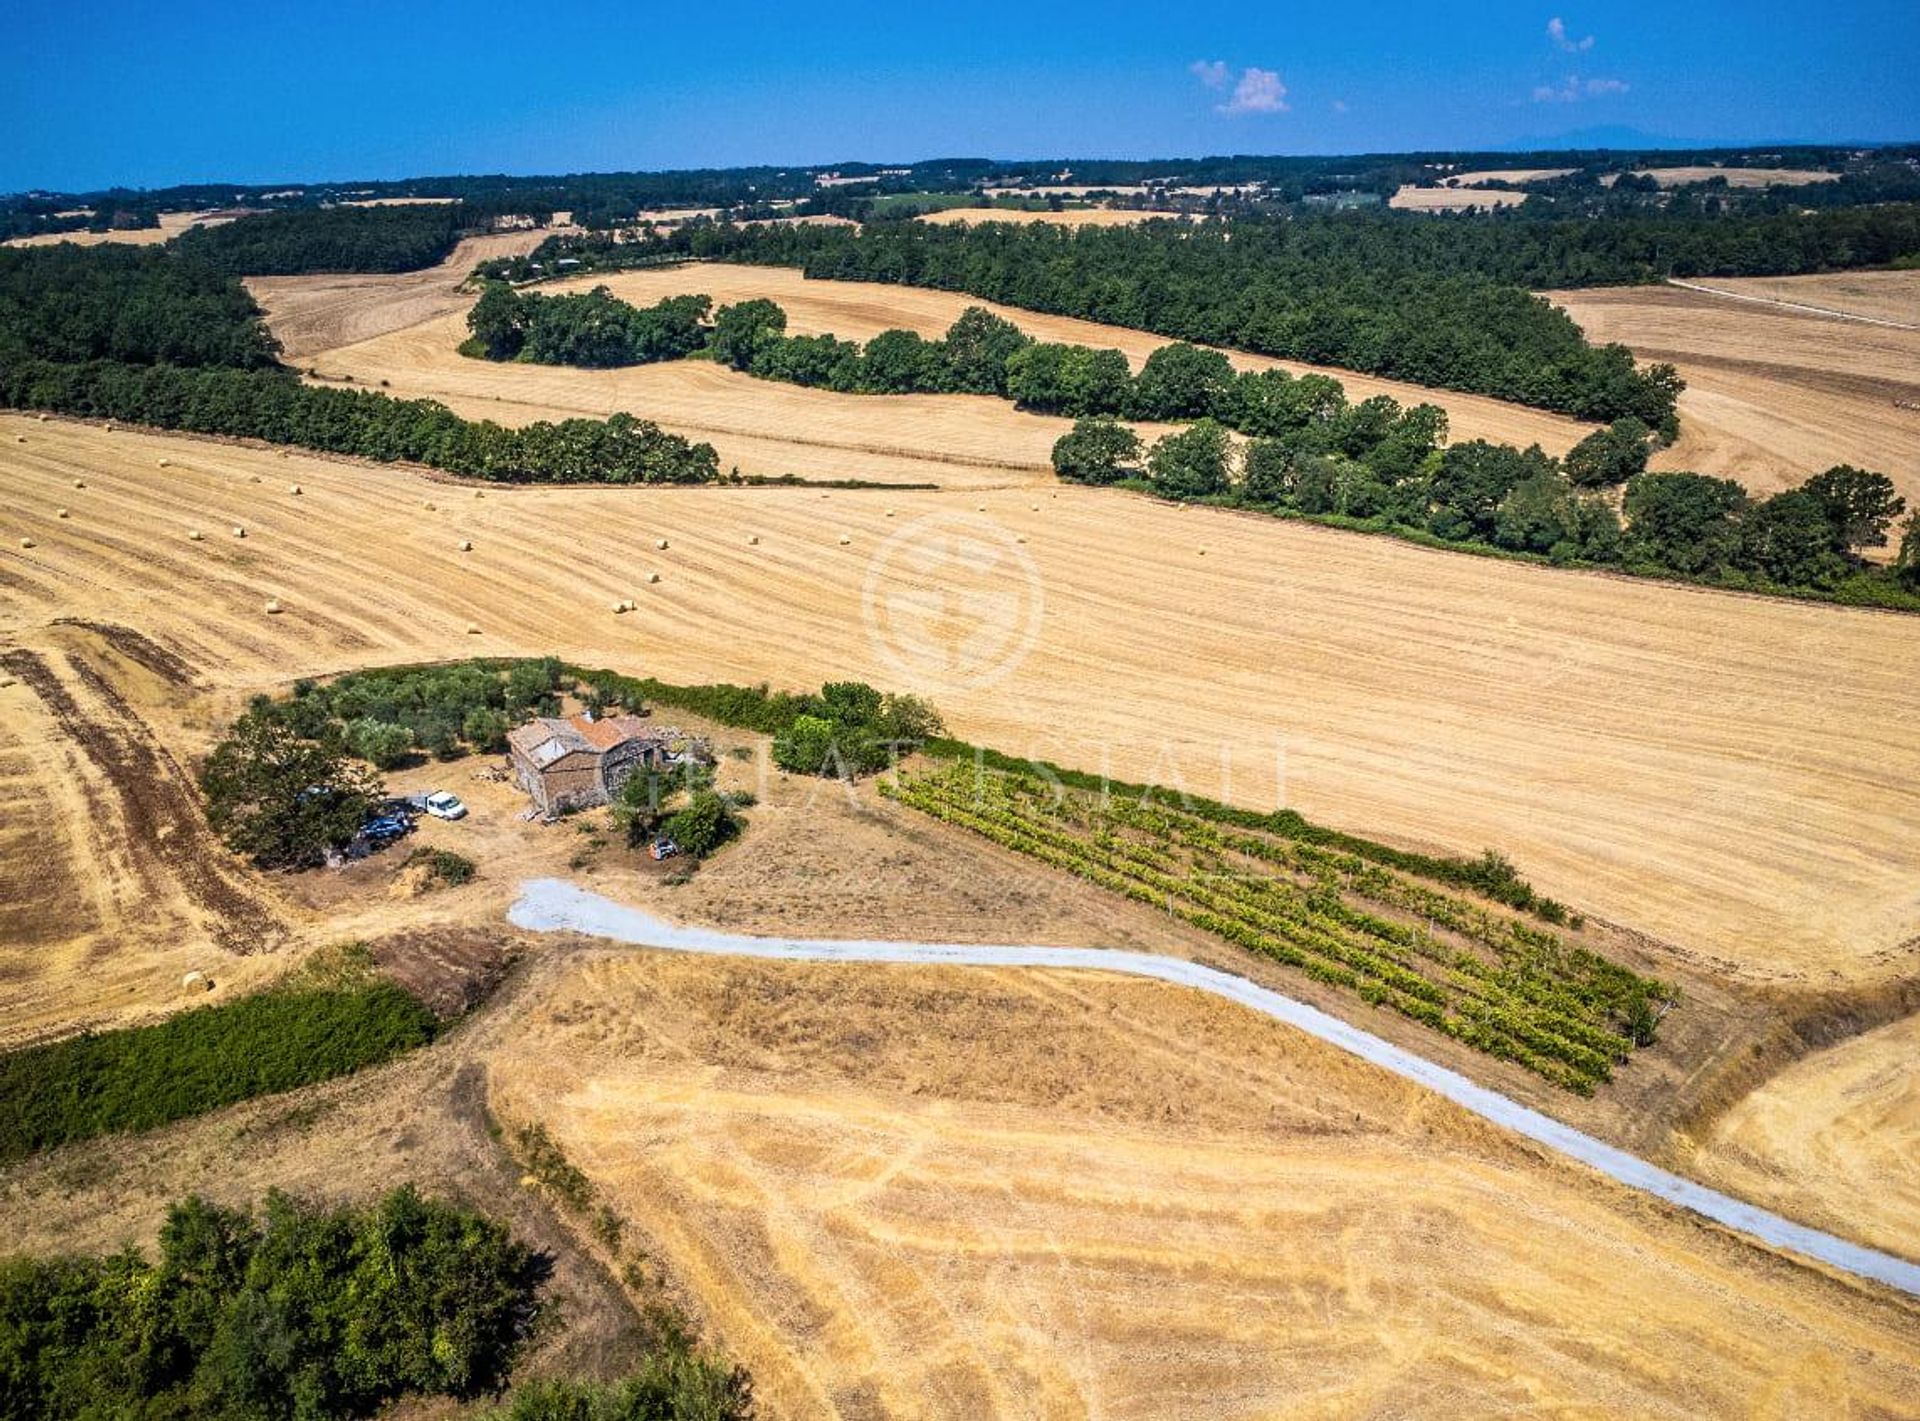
{"x":1481,"y":976}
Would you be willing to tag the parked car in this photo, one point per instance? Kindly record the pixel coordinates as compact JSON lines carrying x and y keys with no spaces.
{"x":442,"y":805}
{"x":383,"y":829}
{"x":663,"y":848}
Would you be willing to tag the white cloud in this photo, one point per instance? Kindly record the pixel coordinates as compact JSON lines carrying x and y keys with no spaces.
{"x":1557,"y":32}
{"x":1575,"y":89}
{"x":1211,"y":72}
{"x":1259,"y":91}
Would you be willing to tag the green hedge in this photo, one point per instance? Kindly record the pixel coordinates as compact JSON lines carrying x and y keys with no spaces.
{"x":200,"y":1060}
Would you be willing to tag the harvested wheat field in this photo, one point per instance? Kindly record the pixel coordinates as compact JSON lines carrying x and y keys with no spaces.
{"x":1834,"y":1139}
{"x":172,"y":224}
{"x":1775,"y":394}
{"x":313,"y":313}
{"x":1737,"y":775}
{"x":1891,"y":296}
{"x":1070,"y":217}
{"x":766,"y":427}
{"x":1451,"y":199}
{"x":1503,"y":175}
{"x":990,"y":1193}
{"x":1737,"y":177}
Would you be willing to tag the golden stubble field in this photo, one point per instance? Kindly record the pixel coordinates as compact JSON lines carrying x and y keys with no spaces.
{"x":940,"y":1192}
{"x":1737,"y":776}
{"x":766,"y":427}
{"x":1773,"y":393}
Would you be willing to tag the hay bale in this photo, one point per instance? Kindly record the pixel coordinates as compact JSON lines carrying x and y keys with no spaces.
{"x":653,"y":577}
{"x":428,"y":506}
{"x":238,"y":531}
{"x":19,"y":439}
{"x":295,"y":490}
{"x":197,"y":982}
{"x":1203,"y":552}
{"x":1021,"y":538}
{"x":618,"y":608}
{"x":660,"y":543}
{"x":466,"y":545}
{"x":194,"y":535}
{"x":479,"y":493}
{"x":753,"y":540}
{"x":43,"y":419}
{"x":165,"y":463}
{"x":273,"y":606}
{"x":79,"y":483}
{"x":845,"y":540}
{"x":60,"y":513}
{"x":109,"y":428}
{"x":254,"y":479}
{"x":1033,"y":508}
{"x":980,"y":508}
{"x":473,"y":629}
{"x":26,"y":542}
{"x":889,"y":513}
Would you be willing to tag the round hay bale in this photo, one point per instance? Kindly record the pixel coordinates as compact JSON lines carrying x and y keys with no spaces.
{"x":295,"y":490}
{"x":845,"y":540}
{"x":109,"y":428}
{"x":60,"y":513}
{"x":26,"y":542}
{"x":889,"y":513}
{"x":753,"y":540}
{"x":79,"y":483}
{"x":479,"y":493}
{"x":197,"y":982}
{"x":255,"y":478}
{"x":166,"y":463}
{"x":1021,"y":538}
{"x":618,"y":608}
{"x":473,"y":629}
{"x":466,"y":545}
{"x":194,"y":535}
{"x":273,"y":606}
{"x":238,"y":531}
{"x":653,"y":577}
{"x":428,"y":506}
{"x":980,"y":508}
{"x":19,"y":439}
{"x":1033,"y":508}
{"x":43,"y":419}
{"x":660,"y":543}
{"x":1203,"y":552}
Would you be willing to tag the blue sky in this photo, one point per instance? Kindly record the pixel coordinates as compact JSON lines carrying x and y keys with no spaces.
{"x":150,"y":94}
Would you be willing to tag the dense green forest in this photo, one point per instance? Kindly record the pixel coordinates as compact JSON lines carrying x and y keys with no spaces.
{"x":157,"y":337}
{"x":329,"y":1020}
{"x":373,"y":239}
{"x":136,"y":305}
{"x":592,"y":329}
{"x":298,"y":1311}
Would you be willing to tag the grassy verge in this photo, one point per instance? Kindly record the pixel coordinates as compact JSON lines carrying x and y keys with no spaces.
{"x":326,"y":1022}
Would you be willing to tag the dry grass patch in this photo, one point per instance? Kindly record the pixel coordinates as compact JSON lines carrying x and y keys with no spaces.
{"x":933,"y":1191}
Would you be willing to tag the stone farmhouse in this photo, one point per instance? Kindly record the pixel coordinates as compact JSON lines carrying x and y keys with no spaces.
{"x":575,"y":762}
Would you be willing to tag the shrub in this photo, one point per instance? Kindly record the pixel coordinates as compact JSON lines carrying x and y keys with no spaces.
{"x":303,"y":1312}
{"x":1097,"y":450}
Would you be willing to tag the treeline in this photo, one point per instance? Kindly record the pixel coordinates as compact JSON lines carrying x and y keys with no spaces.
{"x":301,"y":1311}
{"x":317,"y":239}
{"x":279,"y":409}
{"x":1328,"y":291}
{"x":594,"y":329}
{"x":157,"y":338}
{"x":137,"y":305}
{"x":318,"y":1025}
{"x":1479,"y":496}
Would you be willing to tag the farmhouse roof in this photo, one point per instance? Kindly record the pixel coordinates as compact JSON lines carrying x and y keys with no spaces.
{"x":549,"y":738}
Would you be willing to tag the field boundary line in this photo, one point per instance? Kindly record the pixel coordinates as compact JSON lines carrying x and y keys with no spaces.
{"x":1837,"y":315}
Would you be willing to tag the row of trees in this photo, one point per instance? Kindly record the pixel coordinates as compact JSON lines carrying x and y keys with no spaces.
{"x":1478,"y":494}
{"x":594,"y":329}
{"x":300,"y":1311}
{"x":279,"y":409}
